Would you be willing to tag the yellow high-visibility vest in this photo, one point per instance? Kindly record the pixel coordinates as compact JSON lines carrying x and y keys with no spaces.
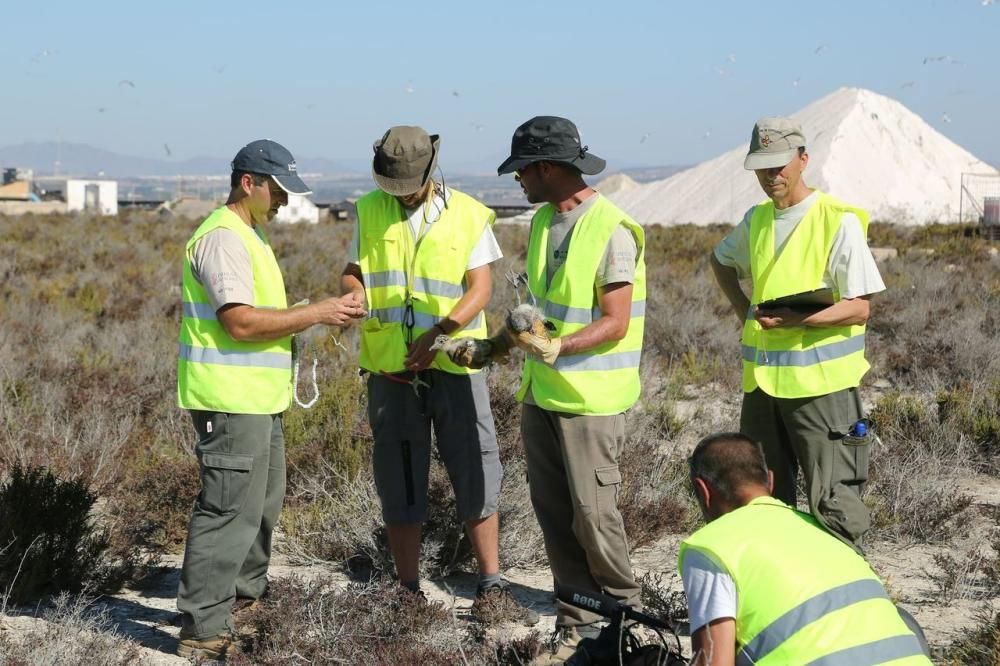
{"x":215,"y":372}
{"x":799,"y":361}
{"x":434,"y":266}
{"x":603,"y":380}
{"x":804,"y":597}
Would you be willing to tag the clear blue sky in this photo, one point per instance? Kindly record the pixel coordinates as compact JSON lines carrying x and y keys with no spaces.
{"x":327,"y":78}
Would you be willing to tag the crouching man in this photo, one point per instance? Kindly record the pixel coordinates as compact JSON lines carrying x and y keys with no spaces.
{"x":804,"y":596}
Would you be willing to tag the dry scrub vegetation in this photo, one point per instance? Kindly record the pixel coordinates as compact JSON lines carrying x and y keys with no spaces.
{"x":88,"y":327}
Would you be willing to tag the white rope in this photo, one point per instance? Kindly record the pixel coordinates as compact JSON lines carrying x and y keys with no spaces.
{"x":315,"y":385}
{"x":295,"y":385}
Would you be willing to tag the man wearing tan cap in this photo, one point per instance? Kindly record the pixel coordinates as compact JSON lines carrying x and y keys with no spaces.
{"x":420,"y":258}
{"x":812,"y":276}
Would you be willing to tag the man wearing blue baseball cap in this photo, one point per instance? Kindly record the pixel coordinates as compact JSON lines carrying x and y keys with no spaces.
{"x":234,"y":375}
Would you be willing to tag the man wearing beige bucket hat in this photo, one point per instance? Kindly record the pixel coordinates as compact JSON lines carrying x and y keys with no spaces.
{"x":812,"y":276}
{"x":420,"y":258}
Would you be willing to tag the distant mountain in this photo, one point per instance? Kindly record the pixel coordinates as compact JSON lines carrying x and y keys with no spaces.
{"x":78,"y":159}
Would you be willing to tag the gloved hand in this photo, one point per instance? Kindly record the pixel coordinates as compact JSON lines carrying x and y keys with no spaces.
{"x":477,"y":353}
{"x":542,"y":346}
{"x":526,"y":326}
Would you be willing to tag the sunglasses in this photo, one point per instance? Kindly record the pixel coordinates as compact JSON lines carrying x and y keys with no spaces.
{"x":519,"y":173}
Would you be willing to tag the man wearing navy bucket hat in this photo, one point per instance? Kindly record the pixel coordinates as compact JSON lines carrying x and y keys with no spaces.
{"x":586,"y":272}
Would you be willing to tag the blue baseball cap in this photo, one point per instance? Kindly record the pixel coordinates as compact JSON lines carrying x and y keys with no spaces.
{"x":270,"y":158}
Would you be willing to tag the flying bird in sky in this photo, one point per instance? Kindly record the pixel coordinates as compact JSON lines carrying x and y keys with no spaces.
{"x":945,"y":117}
{"x":44,"y":53}
{"x":166,"y":149}
{"x":819,"y":49}
{"x":908,"y":84}
{"x":125,"y":83}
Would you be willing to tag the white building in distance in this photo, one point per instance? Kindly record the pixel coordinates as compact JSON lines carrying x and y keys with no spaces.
{"x":92,"y":196}
{"x":298,"y":209}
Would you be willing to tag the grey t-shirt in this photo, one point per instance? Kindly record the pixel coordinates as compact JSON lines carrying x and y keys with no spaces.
{"x":618,"y":263}
{"x":221,"y":263}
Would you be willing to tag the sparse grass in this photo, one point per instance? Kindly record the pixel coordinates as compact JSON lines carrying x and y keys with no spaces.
{"x":980,"y":645}
{"x":318,"y":622}
{"x":88,"y":329}
{"x":916,"y":468}
{"x":972,"y":574}
{"x":70,"y":632}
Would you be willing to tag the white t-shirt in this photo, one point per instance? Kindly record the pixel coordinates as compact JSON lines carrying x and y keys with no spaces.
{"x":851,"y":268}
{"x":711,"y":592}
{"x":221,"y":263}
{"x":486,"y":250}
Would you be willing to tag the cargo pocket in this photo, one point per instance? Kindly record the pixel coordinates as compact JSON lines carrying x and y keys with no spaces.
{"x":853,"y":456}
{"x":609,"y":480}
{"x":225,"y":479}
{"x":383,"y":345}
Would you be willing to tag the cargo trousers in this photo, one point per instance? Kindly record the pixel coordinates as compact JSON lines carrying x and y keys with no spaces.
{"x":574,"y":481}
{"x":228,"y":549}
{"x":814,"y":434}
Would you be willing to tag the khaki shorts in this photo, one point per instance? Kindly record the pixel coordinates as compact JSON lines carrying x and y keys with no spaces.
{"x":457,"y":407}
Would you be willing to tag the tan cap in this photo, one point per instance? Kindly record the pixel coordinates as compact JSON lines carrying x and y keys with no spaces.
{"x":404,"y":160}
{"x":774,"y":142}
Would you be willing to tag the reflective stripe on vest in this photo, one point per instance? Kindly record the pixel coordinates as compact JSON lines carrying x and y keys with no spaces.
{"x":599,"y":381}
{"x":804,"y":357}
{"x":571,"y":315}
{"x":798,"y":361}
{"x":804,"y":596}
{"x":386,"y":249}
{"x":424,"y":284}
{"x":246,"y":359}
{"x":420,"y":319}
{"x":214,"y":371}
{"x":807,"y":612}
{"x":877,"y":652}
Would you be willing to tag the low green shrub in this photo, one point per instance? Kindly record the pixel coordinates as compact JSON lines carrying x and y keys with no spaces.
{"x":979,"y":645}
{"x":48,"y":543}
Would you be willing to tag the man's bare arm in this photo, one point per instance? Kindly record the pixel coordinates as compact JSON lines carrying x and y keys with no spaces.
{"x":351,"y":281}
{"x":845,"y":312}
{"x":615,"y":301}
{"x":729,"y":282}
{"x":715,"y":643}
{"x":246,"y":323}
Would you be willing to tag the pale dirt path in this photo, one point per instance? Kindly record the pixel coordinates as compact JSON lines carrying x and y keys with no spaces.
{"x":145,"y":615}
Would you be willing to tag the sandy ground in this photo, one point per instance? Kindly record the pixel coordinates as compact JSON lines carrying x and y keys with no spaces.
{"x":146,"y":615}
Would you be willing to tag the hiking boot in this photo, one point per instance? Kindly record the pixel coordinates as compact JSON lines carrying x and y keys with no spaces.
{"x":243,"y":610}
{"x":213,"y":647}
{"x":564,"y":643}
{"x":496,"y":603}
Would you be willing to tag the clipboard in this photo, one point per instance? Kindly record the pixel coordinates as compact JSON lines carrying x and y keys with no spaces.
{"x":806,"y":301}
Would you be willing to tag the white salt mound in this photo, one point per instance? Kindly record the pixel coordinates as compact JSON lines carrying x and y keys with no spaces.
{"x":616,"y":183}
{"x":864,"y":148}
